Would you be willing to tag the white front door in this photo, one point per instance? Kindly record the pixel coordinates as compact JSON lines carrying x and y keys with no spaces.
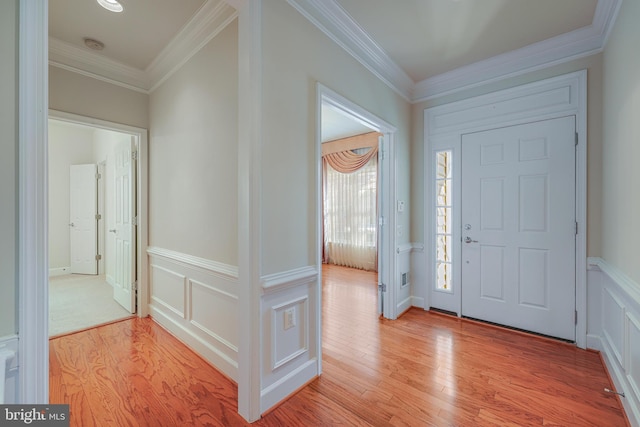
{"x":83,"y":225}
{"x":125,"y":229}
{"x":518,"y":226}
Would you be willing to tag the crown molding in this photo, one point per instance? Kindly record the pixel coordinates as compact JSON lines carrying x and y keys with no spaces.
{"x":67,"y":56}
{"x":566,"y":47}
{"x":211,"y":18}
{"x":340,"y":27}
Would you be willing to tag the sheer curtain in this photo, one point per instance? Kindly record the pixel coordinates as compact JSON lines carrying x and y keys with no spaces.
{"x":350,"y":211}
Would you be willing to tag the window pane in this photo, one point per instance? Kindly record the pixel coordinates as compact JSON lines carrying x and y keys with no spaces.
{"x":443,"y":276}
{"x":443,"y":193}
{"x":443,"y":165}
{"x":443,"y":220}
{"x":443,"y":248}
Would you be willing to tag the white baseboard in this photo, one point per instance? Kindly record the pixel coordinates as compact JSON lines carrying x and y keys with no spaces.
{"x":59,"y":271}
{"x":404,"y":305}
{"x":209,"y":352}
{"x":417,"y":302}
{"x":287,"y":385}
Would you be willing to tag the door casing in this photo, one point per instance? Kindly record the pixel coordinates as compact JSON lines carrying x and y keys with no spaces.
{"x":443,"y":128}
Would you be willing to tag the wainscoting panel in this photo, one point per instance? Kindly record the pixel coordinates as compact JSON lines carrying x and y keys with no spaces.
{"x":197,"y":300}
{"x":614,"y":329}
{"x":9,"y":356}
{"x":403,"y":298}
{"x":288,"y":313}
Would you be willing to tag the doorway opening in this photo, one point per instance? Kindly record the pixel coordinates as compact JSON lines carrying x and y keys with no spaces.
{"x":96,"y":226}
{"x":356,"y":235}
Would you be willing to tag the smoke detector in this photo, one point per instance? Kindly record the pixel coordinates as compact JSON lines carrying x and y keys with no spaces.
{"x":93,"y":44}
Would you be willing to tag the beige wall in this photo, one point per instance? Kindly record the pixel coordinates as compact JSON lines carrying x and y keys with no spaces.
{"x":593,"y":65}
{"x":8,"y":168}
{"x":193,"y":154}
{"x":74,"y":93}
{"x":621,"y":153}
{"x":296,"y":56}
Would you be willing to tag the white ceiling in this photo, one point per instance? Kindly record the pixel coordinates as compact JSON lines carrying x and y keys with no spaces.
{"x":420,"y":48}
{"x":134,"y":37}
{"x":430,"y":37}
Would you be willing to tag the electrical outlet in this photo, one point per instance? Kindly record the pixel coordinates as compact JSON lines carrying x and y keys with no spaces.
{"x":289,"y":318}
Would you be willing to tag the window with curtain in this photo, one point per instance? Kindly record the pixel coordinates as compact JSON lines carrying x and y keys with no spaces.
{"x":350,"y":211}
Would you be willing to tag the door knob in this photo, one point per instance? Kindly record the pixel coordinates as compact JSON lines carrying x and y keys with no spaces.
{"x":469,"y":240}
{"x":112,"y":230}
{"x":72,"y":225}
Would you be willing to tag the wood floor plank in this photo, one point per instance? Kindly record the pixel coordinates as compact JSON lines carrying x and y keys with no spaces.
{"x":424,"y":369}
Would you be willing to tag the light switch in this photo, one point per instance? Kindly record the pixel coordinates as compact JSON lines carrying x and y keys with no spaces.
{"x":400,"y":205}
{"x":289,"y":318}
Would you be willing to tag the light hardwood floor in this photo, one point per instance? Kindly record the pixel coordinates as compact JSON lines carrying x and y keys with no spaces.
{"x":423,"y":369}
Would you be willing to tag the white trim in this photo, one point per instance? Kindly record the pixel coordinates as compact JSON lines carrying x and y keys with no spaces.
{"x":60,"y":271}
{"x":206,"y":23}
{"x":288,"y":279}
{"x":142,"y":195}
{"x":33,"y":305}
{"x":566,"y":47}
{"x":250,"y":350}
{"x":218,"y":268}
{"x":608,"y":279}
{"x":328,"y":96}
{"x":294,"y":380}
{"x":340,"y":27}
{"x":443,"y":126}
{"x":73,"y":58}
{"x":626,"y":283}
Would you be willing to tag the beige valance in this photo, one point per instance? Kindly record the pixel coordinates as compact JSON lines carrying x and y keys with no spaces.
{"x":339,"y":153}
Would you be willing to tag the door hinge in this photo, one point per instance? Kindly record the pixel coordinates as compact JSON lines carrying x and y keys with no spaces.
{"x":98,"y":257}
{"x":576,"y":317}
{"x":134,"y":221}
{"x":576,"y":228}
{"x":576,"y":139}
{"x":134,"y":286}
{"x":98,"y":176}
{"x":98,"y":216}
{"x":134,"y":155}
{"x":382,"y":287}
{"x":381,"y":221}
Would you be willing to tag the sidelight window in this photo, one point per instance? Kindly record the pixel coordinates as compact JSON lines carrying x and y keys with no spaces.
{"x":443,"y":220}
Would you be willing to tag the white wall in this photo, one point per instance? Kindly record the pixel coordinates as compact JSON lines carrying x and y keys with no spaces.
{"x":297,"y":56}
{"x":68,"y":145}
{"x":193,"y":199}
{"x":8,"y":167}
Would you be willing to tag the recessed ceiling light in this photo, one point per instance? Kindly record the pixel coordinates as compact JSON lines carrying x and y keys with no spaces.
{"x":112,"y":5}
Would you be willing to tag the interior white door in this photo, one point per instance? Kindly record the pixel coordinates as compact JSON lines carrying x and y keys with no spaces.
{"x":83,"y":225}
{"x":125,"y":229}
{"x":518,"y":226}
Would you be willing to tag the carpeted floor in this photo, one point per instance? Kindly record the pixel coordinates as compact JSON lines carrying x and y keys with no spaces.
{"x":79,"y":302}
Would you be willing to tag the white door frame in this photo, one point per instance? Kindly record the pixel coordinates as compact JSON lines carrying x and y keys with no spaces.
{"x":387,"y":186}
{"x":140,"y":138}
{"x":443,"y":128}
